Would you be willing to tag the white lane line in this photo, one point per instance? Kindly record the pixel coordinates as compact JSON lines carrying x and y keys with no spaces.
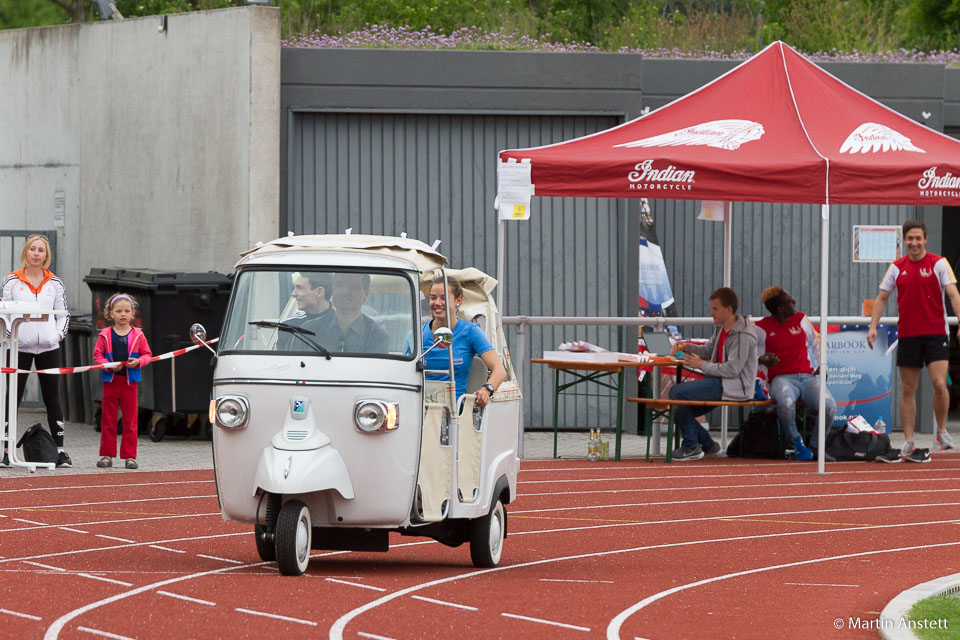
{"x":741,"y":499}
{"x":73,"y":530}
{"x":336,"y":630}
{"x":542,"y":621}
{"x":102,"y":579}
{"x":77,"y":552}
{"x":723,"y":487}
{"x":355,"y":584}
{"x":42,"y":507}
{"x":613,"y":629}
{"x":585,"y":581}
{"x":43,"y":566}
{"x":101,"y":535}
{"x":734,"y":517}
{"x":373,"y":636}
{"x":100,"y":522}
{"x":27,"y":521}
{"x":819,"y":584}
{"x":446,"y":604}
{"x":275,"y":616}
{"x":20,"y":615}
{"x":53,"y":631}
{"x":108,"y":486}
{"x":105,"y":634}
{"x":884,"y":470}
{"x":157,"y":546}
{"x":200,"y":555}
{"x":187,"y":598}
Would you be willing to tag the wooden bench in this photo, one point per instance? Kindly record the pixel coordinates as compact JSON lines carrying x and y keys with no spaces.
{"x":659,"y":407}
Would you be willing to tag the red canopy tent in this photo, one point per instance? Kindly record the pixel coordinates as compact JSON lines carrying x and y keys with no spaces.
{"x":776,"y":128}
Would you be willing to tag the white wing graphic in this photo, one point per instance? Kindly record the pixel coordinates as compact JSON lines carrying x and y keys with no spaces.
{"x":871,"y":137}
{"x":722,"y":134}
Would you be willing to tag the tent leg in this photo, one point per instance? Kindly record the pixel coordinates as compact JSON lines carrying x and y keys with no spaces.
{"x":501,"y":261}
{"x":824,"y":313}
{"x":727,"y":281}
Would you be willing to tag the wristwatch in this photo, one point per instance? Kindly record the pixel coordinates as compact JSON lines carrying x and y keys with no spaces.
{"x":488,"y":387}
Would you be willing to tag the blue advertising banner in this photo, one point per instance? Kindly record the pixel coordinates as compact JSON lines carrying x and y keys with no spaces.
{"x":859,"y":377}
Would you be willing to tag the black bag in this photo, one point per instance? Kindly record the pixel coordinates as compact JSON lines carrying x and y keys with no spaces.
{"x":759,"y":437}
{"x":38,"y":445}
{"x":843,"y":445}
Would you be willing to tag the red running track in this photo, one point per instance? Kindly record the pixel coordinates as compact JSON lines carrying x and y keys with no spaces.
{"x":717,"y":548}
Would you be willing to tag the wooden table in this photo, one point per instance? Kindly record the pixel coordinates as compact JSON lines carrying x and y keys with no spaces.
{"x":597,"y":372}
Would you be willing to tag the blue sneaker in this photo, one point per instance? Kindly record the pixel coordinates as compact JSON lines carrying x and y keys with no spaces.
{"x":801,"y":451}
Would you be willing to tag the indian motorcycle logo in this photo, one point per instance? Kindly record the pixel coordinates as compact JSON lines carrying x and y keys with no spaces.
{"x":645,"y":177}
{"x":871,"y":137}
{"x":721,"y":134}
{"x":931,"y":185}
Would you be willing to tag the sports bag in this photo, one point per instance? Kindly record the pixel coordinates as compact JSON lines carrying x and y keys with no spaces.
{"x":38,"y":445}
{"x":843,"y":445}
{"x":759,"y":437}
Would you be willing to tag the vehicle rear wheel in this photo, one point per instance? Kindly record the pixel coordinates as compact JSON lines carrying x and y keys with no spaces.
{"x":487,"y":535}
{"x":264,"y":534}
{"x":294,"y":532}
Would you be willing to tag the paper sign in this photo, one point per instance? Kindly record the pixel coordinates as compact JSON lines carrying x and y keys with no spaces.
{"x":59,"y":208}
{"x":713,"y":210}
{"x":877,"y":243}
{"x":514,"y":190}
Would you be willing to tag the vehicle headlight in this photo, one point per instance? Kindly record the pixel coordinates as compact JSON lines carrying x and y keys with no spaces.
{"x":232,"y":412}
{"x":370,"y":416}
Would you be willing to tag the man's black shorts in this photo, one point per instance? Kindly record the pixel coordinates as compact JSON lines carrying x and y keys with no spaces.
{"x":921,"y":350}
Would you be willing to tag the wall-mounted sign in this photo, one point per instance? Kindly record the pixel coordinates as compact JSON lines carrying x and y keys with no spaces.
{"x":877,"y":243}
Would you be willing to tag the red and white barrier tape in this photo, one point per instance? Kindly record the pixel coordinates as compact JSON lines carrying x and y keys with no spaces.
{"x":63,"y":370}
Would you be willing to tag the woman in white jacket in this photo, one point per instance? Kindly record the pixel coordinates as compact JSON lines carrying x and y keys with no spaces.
{"x":40,"y":341}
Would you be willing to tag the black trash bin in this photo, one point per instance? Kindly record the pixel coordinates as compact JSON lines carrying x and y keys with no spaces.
{"x":175,"y":394}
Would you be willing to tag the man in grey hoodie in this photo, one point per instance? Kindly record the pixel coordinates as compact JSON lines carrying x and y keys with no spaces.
{"x":730,"y":372}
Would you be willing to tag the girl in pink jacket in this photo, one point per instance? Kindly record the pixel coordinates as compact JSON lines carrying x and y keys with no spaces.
{"x":125,"y":345}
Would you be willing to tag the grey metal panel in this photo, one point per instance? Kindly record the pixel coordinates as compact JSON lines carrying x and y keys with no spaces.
{"x":434,"y":177}
{"x":773,"y":244}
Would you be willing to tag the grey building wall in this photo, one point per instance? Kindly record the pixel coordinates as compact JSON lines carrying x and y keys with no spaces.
{"x":165,"y":145}
{"x":389,"y":141}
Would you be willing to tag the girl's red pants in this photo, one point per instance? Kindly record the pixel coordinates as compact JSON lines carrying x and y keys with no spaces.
{"x":119,"y":393}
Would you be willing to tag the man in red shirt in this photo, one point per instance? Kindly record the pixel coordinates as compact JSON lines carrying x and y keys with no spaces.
{"x":920,"y":278}
{"x":790,"y":350}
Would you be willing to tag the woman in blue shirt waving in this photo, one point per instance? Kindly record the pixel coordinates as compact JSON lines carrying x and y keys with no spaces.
{"x":468,"y":341}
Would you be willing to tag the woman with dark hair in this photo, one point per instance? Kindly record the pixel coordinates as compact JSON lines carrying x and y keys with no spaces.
{"x":40,"y":341}
{"x":468,"y":341}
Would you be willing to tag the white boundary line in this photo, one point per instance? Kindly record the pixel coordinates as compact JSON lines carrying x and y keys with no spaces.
{"x":105,"y":634}
{"x":91,"y":524}
{"x":41,"y":507}
{"x":549,"y":622}
{"x":355,"y":584}
{"x":20,"y":615}
{"x":879,"y":470}
{"x":187,"y":598}
{"x":276,"y":616}
{"x":105,"y":486}
{"x":739,"y":499}
{"x":338,"y":627}
{"x":613,"y":629}
{"x":903,"y":601}
{"x":445,"y":603}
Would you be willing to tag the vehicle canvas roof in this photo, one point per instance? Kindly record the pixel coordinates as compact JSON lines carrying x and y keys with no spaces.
{"x":424,"y":258}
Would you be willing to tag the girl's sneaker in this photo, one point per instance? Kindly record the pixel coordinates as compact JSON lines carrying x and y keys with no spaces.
{"x":944,"y":440}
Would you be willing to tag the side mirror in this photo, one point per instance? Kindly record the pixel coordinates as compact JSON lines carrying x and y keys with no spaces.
{"x":442,"y":338}
{"x":198,"y":336}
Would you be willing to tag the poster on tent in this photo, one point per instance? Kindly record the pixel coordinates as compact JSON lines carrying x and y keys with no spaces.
{"x":860,"y":378}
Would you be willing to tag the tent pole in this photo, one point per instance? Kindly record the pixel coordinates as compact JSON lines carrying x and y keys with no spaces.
{"x":727,"y":281}
{"x":824,"y":312}
{"x":501,"y":261}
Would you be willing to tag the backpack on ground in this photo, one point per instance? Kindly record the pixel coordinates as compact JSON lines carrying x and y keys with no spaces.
{"x":843,"y":445}
{"x":38,"y":445}
{"x":759,"y":437}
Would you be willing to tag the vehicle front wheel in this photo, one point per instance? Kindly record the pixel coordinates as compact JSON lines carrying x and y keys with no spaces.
{"x":487,"y":535}
{"x":293,"y":538}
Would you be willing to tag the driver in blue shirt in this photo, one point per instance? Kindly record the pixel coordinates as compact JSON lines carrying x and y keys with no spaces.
{"x":468,"y":341}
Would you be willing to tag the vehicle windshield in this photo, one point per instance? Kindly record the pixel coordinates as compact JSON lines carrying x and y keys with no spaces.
{"x":320,"y":312}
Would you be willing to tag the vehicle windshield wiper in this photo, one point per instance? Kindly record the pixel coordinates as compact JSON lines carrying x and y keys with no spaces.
{"x":298,"y":332}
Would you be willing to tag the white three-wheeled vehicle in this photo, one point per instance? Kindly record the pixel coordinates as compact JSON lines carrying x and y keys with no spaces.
{"x":327,"y":442}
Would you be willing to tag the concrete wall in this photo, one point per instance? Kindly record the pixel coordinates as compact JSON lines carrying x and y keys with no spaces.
{"x":164,"y":143}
